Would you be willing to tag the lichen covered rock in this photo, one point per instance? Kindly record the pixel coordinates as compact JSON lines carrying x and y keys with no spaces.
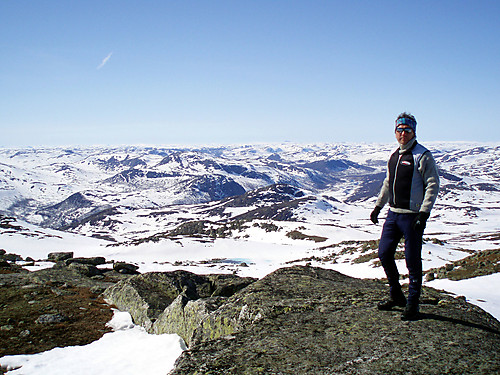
{"x":184,"y":316}
{"x":306,"y":320}
{"x":147,"y":296}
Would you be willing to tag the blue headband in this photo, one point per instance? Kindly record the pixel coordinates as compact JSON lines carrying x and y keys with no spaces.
{"x":407,"y":121}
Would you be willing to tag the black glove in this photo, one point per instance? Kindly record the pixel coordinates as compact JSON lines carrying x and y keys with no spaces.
{"x":420,"y":221}
{"x":374,"y":214}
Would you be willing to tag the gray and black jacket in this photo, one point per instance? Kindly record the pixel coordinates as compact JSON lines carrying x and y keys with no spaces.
{"x":412,"y":181}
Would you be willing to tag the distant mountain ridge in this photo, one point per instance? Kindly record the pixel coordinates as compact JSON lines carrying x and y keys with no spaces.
{"x":65,"y":188}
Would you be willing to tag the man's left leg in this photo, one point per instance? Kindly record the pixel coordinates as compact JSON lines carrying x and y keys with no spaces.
{"x":413,"y":256}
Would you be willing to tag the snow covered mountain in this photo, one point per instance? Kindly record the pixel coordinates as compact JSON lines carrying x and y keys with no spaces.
{"x":103,"y":191}
{"x":59,"y":187}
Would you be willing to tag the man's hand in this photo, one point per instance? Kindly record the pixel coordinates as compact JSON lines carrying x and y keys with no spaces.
{"x":374,"y":214}
{"x":420,"y":221}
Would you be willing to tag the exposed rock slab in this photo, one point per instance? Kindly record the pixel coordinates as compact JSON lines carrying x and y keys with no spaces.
{"x":147,"y":296}
{"x":305,"y":320}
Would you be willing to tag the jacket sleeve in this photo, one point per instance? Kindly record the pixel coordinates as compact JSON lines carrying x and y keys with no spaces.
{"x":429,"y":171}
{"x":383,"y":196}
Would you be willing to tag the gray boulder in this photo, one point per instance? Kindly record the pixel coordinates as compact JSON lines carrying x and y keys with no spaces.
{"x":93,"y":261}
{"x":306,"y":320}
{"x":60,"y":256}
{"x":9,"y":257}
{"x":85,"y":269}
{"x":125,"y":268}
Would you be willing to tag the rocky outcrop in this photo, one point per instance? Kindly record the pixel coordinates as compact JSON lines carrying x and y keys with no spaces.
{"x":305,"y":320}
{"x":149,"y":297}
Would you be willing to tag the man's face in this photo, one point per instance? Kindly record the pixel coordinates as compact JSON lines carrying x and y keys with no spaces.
{"x":404,"y":134}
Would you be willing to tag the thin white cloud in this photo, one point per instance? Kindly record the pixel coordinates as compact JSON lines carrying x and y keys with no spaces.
{"x":105,"y":60}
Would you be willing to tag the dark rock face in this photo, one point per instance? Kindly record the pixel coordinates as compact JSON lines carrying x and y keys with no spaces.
{"x":279,"y":212}
{"x":69,"y":212}
{"x":113,"y":163}
{"x":274,"y":202}
{"x":273,"y":194}
{"x":305,"y":320}
{"x":332,"y":166}
{"x":125,"y":177}
{"x":215,"y":187}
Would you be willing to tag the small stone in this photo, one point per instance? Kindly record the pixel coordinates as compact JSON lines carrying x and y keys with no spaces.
{"x":51,"y":318}
{"x":29,"y":286}
{"x":25,"y":333}
{"x":97,"y":289}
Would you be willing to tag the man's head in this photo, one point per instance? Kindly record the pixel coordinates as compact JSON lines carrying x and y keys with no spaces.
{"x":406,"y":128}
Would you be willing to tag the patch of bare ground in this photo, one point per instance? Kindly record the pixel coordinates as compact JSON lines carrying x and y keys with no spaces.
{"x":79,"y":317}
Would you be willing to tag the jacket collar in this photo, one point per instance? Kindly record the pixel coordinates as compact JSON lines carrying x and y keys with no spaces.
{"x":409,"y":146}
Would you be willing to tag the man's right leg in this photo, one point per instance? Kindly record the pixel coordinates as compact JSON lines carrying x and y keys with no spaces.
{"x":389,"y":240}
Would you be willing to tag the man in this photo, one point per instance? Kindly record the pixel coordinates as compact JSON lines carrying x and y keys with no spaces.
{"x":411,"y":187}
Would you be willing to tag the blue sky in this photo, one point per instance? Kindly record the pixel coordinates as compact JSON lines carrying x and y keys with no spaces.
{"x":211,"y":72}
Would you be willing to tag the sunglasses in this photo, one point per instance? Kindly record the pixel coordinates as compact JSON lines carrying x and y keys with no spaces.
{"x":405,"y":130}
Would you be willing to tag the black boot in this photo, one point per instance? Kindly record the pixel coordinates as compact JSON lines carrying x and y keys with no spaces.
{"x":388,"y":304}
{"x":410,"y":312}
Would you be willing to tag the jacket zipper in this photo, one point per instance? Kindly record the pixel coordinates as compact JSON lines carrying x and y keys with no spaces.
{"x":395,"y":179}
